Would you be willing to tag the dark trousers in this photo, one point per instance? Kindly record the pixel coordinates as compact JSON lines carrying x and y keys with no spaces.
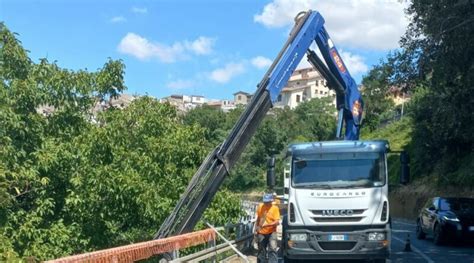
{"x":267,"y":246}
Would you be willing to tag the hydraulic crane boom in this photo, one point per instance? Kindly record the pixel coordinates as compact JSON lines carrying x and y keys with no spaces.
{"x":207,"y":180}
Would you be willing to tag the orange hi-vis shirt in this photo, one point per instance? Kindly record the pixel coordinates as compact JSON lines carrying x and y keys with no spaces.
{"x":270,"y":213}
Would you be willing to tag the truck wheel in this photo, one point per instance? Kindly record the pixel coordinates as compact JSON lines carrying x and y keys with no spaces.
{"x":419,"y":230}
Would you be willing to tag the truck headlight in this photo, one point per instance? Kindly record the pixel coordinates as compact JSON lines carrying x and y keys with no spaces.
{"x":376,"y":236}
{"x":298,"y":237}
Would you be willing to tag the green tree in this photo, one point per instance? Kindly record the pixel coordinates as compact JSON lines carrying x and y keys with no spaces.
{"x":376,"y":85}
{"x":211,"y":119}
{"x":317,"y":119}
{"x":74,"y":180}
{"x":438,"y":59}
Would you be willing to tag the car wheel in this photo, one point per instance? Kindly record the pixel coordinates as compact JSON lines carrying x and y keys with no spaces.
{"x":287,"y":260}
{"x":380,"y":260}
{"x":438,"y":235}
{"x":419,"y":230}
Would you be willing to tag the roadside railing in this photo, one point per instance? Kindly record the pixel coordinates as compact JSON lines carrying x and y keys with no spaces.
{"x":241,"y":234}
{"x":142,"y":250}
{"x":235,"y":236}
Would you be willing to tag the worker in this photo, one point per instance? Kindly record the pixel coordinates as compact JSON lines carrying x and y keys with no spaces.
{"x":268,"y":218}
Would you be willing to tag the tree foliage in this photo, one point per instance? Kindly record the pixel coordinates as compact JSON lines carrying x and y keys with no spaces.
{"x":377,"y":104}
{"x":75,"y":180}
{"x":436,"y":63}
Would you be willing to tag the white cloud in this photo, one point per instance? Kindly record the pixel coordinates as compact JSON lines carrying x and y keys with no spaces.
{"x":139,"y":10}
{"x":180,"y":84}
{"x":117,"y":19}
{"x":369,"y":24}
{"x":143,"y":49}
{"x":261,"y":62}
{"x":354,"y":63}
{"x":229,"y":71}
{"x":201,"y":46}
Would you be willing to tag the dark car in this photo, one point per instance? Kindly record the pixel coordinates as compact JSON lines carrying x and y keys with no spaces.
{"x":446,"y":219}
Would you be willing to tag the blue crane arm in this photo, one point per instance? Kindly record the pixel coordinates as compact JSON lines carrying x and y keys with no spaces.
{"x":349,"y":98}
{"x":210,"y":175}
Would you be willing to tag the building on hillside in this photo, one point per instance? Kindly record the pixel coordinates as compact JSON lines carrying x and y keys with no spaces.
{"x":179,"y":101}
{"x":398,"y":96}
{"x":227,"y":105}
{"x":184,"y":102}
{"x":121,"y":101}
{"x":198,"y":100}
{"x":303,"y":85}
{"x":224,"y":105}
{"x":242,"y":97}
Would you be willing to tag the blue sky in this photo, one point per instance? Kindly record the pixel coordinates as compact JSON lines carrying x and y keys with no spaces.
{"x":210,"y":48}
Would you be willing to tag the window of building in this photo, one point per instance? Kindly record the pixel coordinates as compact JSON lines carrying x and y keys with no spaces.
{"x":298,"y":98}
{"x":279,"y":97}
{"x":239,"y":97}
{"x":320,"y":92}
{"x":297,"y":83}
{"x":325,"y":93}
{"x":316,"y":92}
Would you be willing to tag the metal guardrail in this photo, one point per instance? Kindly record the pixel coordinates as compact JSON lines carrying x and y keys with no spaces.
{"x":143,"y":250}
{"x":242,"y":232}
{"x":243,"y":241}
{"x":250,"y":209}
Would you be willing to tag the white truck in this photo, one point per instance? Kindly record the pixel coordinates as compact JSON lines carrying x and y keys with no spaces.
{"x":338,"y":204}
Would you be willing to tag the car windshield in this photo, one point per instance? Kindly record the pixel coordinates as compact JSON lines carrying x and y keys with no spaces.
{"x":338,"y":170}
{"x":454,"y":204}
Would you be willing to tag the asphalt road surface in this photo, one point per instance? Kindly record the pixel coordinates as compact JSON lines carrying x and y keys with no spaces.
{"x":426,"y":250}
{"x":422,"y":250}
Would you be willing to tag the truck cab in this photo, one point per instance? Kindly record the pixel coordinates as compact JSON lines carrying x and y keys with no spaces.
{"x":337,"y":201}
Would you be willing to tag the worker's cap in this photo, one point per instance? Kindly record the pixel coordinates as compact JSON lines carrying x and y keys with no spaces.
{"x":268,"y":198}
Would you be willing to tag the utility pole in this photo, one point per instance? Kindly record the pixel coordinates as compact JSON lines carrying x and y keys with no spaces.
{"x":403,"y":103}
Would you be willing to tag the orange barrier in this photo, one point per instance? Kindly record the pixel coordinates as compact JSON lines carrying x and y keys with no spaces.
{"x":143,"y":250}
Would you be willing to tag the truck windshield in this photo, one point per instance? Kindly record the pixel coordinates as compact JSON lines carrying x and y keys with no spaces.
{"x":338,"y":170}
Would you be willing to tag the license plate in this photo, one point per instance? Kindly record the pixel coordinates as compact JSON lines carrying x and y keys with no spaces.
{"x":471,"y":228}
{"x":337,"y":237}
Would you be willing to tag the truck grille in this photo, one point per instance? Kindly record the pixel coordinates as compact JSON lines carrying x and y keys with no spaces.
{"x":335,"y":245}
{"x":337,"y":219}
{"x":355,"y":212}
{"x":355,"y":216}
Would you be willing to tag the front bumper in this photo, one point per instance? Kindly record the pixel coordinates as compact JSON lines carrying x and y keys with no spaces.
{"x":456,"y":230}
{"x":356,"y":245}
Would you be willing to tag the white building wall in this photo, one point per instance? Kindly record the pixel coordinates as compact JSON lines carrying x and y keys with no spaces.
{"x":198,"y":100}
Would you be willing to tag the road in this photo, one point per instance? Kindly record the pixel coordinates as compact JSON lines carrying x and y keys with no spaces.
{"x":422,"y":250}
{"x":425,"y":250}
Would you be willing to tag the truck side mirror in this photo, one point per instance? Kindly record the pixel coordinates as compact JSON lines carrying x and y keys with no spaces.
{"x":404,"y":168}
{"x":271,"y":173}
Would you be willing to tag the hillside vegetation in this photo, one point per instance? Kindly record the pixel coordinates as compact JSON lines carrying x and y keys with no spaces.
{"x":434,"y":67}
{"x":73,"y":181}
